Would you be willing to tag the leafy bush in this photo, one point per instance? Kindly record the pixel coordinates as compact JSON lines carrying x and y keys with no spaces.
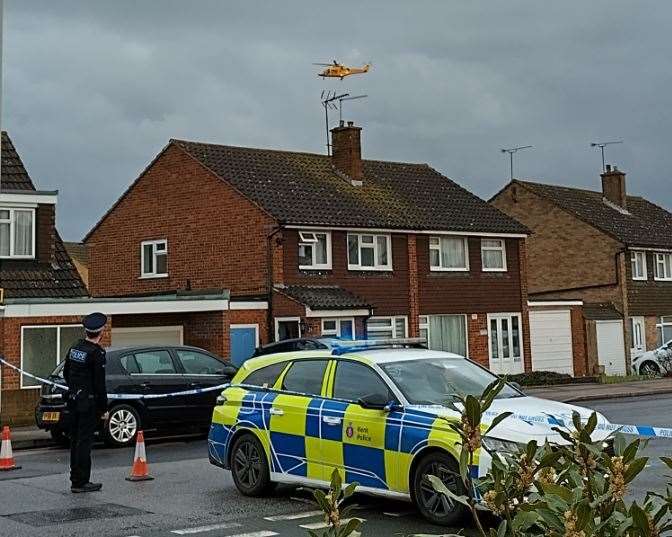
{"x":334,"y":513}
{"x":541,"y":378}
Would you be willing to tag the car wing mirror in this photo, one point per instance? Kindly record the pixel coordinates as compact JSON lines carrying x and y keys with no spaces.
{"x":373,"y":401}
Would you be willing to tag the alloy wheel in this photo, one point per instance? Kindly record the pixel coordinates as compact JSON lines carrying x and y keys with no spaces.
{"x":122,"y":425}
{"x":247,"y":464}
{"x":650,"y":369}
{"x":434,"y":502}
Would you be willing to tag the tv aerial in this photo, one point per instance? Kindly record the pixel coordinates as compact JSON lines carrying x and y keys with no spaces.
{"x":512,"y":151}
{"x":602,"y":145}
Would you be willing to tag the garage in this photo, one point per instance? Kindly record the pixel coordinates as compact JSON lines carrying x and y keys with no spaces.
{"x":610,"y":346}
{"x":147,"y":335}
{"x":551,"y":341}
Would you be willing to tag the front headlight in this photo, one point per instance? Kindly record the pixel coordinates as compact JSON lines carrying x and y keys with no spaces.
{"x":497,"y":445}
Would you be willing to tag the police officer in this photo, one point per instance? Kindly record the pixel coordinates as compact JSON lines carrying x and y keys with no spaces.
{"x":84,"y":372}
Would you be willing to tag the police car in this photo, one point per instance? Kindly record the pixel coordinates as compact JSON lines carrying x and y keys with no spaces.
{"x":374,"y":410}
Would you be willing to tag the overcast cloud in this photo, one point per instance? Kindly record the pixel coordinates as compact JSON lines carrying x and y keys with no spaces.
{"x":94,"y":89}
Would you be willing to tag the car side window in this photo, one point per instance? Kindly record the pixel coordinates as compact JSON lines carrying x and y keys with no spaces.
{"x":265,"y":376}
{"x":305,"y":376}
{"x":129,"y":364}
{"x":155,"y":363}
{"x":197,"y":363}
{"x":309,"y":345}
{"x":354,"y":380}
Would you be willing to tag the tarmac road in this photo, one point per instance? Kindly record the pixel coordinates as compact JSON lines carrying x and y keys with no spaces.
{"x":191,"y":497}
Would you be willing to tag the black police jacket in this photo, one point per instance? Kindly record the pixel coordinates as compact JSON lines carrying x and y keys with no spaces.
{"x":84,"y":373}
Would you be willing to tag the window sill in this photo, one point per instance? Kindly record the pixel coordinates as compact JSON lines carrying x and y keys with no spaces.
{"x":314,"y":269}
{"x":370,"y":269}
{"x":495,"y":270}
{"x":662,"y":279}
{"x":435,"y":269}
{"x":152,"y":276}
{"x":640,"y":279}
{"x":18,"y":257}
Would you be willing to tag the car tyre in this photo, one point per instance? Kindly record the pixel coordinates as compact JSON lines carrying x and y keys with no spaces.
{"x":121,"y":426}
{"x":433,"y":505}
{"x":249,"y":466}
{"x":649,"y":368}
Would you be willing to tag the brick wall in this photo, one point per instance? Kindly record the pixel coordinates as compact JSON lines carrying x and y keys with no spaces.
{"x":45,"y":233}
{"x":18,"y":404}
{"x":579,"y":344}
{"x":413,"y":290}
{"x":477,"y":330}
{"x":524,"y":308}
{"x":563,"y":252}
{"x":216,"y":237}
{"x":651,"y":331}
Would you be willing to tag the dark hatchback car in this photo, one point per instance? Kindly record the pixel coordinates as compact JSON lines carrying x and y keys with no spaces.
{"x":295,"y":344}
{"x":145,"y":370}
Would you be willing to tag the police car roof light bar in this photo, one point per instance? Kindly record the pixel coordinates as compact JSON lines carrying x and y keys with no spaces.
{"x":342,"y":347}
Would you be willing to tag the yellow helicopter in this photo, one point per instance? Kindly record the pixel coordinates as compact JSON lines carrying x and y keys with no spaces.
{"x":338,"y":70}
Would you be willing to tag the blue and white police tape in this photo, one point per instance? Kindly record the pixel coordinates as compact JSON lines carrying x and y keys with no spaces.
{"x":563,"y":421}
{"x":125,"y":396}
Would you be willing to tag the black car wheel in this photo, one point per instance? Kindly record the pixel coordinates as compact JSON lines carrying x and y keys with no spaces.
{"x":122,"y":426}
{"x":434,"y":506}
{"x":649,"y":368}
{"x":249,"y":467}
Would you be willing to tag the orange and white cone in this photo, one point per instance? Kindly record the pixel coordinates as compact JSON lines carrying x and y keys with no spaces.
{"x":140,"y":470}
{"x":7,"y":461}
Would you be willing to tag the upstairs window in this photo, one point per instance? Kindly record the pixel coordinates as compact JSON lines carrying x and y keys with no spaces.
{"x":663,"y":266}
{"x":314,"y":250}
{"x":154,"y":259}
{"x":448,"y":253}
{"x":17,"y":233}
{"x":369,"y":252}
{"x":493,"y":255}
{"x":638,"y":262}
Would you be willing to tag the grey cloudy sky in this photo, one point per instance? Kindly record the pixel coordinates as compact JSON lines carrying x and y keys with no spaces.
{"x":94,"y":89}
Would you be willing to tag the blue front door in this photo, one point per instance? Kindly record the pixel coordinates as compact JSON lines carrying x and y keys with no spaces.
{"x":243,"y":343}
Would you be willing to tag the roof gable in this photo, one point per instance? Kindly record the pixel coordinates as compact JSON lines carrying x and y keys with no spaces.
{"x":643,"y":224}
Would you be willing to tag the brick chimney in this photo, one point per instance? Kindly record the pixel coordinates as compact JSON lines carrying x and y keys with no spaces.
{"x":346,"y":152}
{"x":613,"y":186}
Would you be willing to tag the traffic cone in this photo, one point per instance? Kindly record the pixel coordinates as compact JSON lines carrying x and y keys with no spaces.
{"x":140,"y":470}
{"x":7,"y":461}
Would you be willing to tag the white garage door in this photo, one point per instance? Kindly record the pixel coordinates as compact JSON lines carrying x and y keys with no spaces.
{"x":610,"y":347}
{"x":551,"y":341}
{"x":147,"y":335}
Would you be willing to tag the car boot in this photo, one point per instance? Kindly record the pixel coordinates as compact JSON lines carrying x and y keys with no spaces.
{"x":87,"y":487}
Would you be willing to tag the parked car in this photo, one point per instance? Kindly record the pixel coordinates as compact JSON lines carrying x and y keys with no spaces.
{"x":655,"y":362}
{"x":145,"y":370}
{"x":374,"y":413}
{"x":295,"y":344}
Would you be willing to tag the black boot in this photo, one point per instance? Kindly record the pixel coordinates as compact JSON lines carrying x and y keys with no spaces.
{"x":87,"y":487}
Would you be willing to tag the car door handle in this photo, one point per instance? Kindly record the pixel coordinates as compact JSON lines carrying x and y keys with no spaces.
{"x":144,"y":385}
{"x":276,"y":411}
{"x":331,"y":420}
{"x":194,"y":385}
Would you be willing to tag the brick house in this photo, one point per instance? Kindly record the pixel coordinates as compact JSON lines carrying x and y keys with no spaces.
{"x":605,"y":253}
{"x":43,"y":298}
{"x":312,"y":244}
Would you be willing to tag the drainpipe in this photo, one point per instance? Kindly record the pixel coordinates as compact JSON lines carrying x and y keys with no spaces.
{"x":270,"y":327}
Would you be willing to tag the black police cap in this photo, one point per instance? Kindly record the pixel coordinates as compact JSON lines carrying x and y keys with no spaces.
{"x":94,"y":322}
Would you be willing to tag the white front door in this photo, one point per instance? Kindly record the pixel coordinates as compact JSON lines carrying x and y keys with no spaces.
{"x":506,"y":343}
{"x":610,"y":346}
{"x":638,"y":336}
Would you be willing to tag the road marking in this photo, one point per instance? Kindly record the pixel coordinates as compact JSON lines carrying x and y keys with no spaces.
{"x":293,"y":516}
{"x":399,"y":514}
{"x":211,"y":527}
{"x":322,"y":525}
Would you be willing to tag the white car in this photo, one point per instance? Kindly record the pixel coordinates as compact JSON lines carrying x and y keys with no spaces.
{"x":655,"y":362}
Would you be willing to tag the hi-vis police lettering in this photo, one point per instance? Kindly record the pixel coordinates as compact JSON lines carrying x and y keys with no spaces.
{"x":78,"y":356}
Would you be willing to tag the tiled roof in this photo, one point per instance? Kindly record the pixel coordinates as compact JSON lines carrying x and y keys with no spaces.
{"x":601,"y":312}
{"x":324,"y":297}
{"x":30,"y":278}
{"x":644,"y":223}
{"x":303,"y":188}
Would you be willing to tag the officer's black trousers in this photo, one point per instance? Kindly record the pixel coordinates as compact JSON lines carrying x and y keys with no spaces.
{"x":82,"y":429}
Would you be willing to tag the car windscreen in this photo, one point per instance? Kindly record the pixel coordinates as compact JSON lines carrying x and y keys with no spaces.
{"x":437,"y":381}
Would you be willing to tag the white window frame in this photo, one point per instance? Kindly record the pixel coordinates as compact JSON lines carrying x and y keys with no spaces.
{"x":660,"y":256}
{"x":370,"y":332}
{"x":501,"y":248}
{"x":154,"y":243}
{"x":438,"y":248}
{"x":501,"y":362}
{"x":12,"y":224}
{"x":636,"y":255}
{"x":58,"y":346}
{"x":376,"y":266}
{"x":305,"y":238}
{"x":278,"y":320}
{"x":423,"y":324}
{"x":337,"y":331}
{"x":660,"y":324}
